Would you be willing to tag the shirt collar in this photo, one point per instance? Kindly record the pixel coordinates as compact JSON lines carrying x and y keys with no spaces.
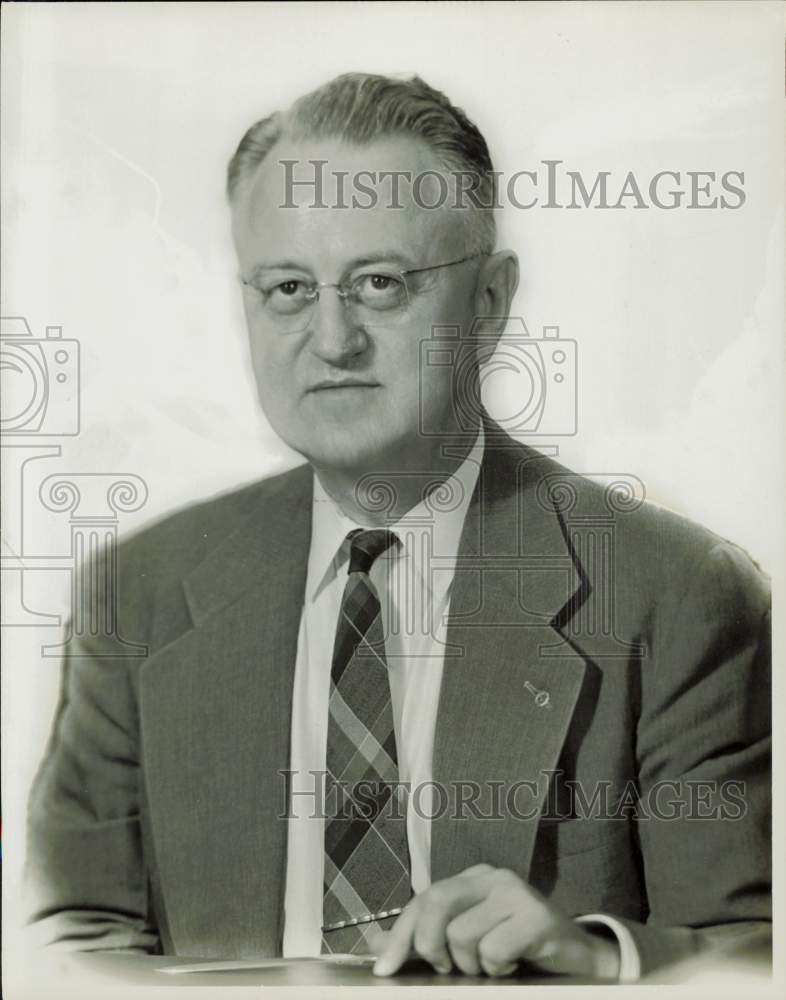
{"x":433,"y":526}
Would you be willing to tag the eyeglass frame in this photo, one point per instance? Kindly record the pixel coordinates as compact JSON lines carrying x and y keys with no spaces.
{"x":342,"y":290}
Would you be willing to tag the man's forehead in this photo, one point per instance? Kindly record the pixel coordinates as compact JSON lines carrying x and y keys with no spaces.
{"x":284,"y":203}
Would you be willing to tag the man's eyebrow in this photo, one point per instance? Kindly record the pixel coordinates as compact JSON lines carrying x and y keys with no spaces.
{"x":382,"y":256}
{"x":376,"y":257}
{"x":278,"y":265}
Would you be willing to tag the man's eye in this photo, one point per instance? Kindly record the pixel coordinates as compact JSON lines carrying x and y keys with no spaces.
{"x":378,"y":283}
{"x":287,"y":297}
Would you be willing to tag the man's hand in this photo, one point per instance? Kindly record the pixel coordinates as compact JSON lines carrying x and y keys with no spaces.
{"x":485,"y":920}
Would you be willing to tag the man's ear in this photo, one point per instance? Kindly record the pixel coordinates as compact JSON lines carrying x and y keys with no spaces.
{"x":498,"y":279}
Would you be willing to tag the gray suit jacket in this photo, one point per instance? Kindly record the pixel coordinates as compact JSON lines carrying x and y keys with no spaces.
{"x":155,"y":820}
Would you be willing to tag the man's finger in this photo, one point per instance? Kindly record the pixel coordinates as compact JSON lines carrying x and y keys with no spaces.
{"x":421,"y":927}
{"x":395,"y":947}
{"x":439,"y":907}
{"x":555,"y":946}
{"x":376,"y":939}
{"x":481,"y":869}
{"x":466,"y":931}
{"x":505,"y":944}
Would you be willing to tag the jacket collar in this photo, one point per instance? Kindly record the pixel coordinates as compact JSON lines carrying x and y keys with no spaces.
{"x":510,"y":516}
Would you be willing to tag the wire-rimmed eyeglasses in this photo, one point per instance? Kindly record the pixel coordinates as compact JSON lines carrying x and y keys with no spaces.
{"x":376,"y":295}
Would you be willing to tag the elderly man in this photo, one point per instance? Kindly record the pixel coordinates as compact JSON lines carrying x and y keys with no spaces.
{"x":382,"y":707}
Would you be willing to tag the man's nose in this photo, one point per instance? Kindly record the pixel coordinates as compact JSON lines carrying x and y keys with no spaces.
{"x":336,"y":336}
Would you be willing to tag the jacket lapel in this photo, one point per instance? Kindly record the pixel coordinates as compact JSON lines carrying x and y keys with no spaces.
{"x":215,"y":716}
{"x":505,"y":705}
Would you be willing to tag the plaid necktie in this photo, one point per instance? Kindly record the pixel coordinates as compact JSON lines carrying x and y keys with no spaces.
{"x":366,"y":853}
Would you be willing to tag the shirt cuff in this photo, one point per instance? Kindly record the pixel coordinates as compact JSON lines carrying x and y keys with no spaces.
{"x":630,"y":963}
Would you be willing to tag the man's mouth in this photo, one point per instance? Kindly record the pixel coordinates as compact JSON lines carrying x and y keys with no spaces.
{"x":334,"y":385}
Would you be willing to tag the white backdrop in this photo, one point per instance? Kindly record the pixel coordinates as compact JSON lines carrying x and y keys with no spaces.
{"x":118,"y":120}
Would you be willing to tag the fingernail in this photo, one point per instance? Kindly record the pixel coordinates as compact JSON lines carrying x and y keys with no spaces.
{"x":443,"y":968}
{"x":382,"y":967}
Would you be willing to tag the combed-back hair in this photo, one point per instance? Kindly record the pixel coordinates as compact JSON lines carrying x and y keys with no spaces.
{"x":363,"y":107}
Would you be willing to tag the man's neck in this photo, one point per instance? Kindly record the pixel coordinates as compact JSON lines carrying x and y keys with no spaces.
{"x":384,"y":492}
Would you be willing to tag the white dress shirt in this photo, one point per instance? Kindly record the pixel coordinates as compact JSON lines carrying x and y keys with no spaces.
{"x":413,"y":580}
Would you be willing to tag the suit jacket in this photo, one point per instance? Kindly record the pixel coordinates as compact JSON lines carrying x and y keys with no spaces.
{"x":596,"y":648}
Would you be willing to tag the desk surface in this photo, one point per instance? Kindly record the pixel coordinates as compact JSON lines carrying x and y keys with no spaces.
{"x":147,"y":970}
{"x":85,"y":975}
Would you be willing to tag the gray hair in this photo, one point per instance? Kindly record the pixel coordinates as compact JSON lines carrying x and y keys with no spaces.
{"x":362,"y":107}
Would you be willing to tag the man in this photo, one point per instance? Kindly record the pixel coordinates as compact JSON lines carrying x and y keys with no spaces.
{"x":405,"y":698}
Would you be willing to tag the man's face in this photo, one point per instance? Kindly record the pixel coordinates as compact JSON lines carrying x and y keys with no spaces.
{"x":348,"y":390}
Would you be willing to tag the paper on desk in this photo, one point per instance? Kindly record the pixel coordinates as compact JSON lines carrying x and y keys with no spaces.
{"x":268,"y":963}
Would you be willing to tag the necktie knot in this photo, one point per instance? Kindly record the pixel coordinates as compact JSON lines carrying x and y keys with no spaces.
{"x":365,"y":546}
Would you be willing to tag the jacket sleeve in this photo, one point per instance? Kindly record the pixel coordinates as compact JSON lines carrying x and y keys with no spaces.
{"x":85,"y":876}
{"x":703,"y":756}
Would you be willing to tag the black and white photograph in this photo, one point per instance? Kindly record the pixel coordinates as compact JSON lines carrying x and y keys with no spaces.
{"x":393,"y":528}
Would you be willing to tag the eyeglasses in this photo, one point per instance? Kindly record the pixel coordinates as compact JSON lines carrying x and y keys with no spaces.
{"x":377,"y":296}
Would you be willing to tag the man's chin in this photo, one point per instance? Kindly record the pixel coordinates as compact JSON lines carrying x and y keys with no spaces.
{"x":346,"y":450}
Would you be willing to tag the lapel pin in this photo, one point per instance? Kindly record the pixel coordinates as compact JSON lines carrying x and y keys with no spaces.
{"x":542,"y":698}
